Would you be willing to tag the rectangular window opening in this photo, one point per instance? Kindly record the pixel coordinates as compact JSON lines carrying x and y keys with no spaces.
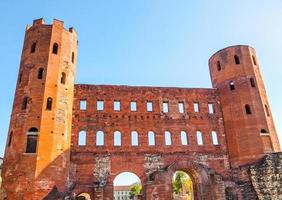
{"x":181,"y":107}
{"x":100,"y":105}
{"x":116,"y":105}
{"x":196,"y":107}
{"x":149,"y":106}
{"x":211,"y":108}
{"x":165,"y":107}
{"x":133,"y":106}
{"x":83,"y":104}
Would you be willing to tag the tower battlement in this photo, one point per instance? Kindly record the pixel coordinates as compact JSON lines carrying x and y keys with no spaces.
{"x":56,"y":22}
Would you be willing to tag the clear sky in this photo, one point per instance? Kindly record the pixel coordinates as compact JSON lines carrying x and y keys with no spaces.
{"x":148,"y":42}
{"x":126,"y":178}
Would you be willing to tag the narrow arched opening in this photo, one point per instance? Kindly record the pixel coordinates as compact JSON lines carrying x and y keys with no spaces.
{"x":218,"y":66}
{"x":252,"y":81}
{"x":82,"y":138}
{"x":25,"y":103}
{"x":55,"y":48}
{"x":127,"y":185}
{"x":40,"y":73}
{"x":31,"y":143}
{"x":72,"y":57}
{"x":49,"y":103}
{"x":182,"y":186}
{"x":237,"y":59}
{"x":254,"y":60}
{"x":231,"y":85}
{"x":63,"y":78}
{"x":33,"y":47}
{"x":248,"y":109}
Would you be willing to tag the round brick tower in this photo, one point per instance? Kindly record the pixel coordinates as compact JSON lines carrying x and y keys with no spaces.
{"x":249,"y":127}
{"x":38,"y":146}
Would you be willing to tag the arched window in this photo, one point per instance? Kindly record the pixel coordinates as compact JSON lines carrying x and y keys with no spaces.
{"x":82,"y":138}
{"x":267,"y":110}
{"x":184,"y":140}
{"x":25,"y":102}
{"x":55,"y":48}
{"x":32,"y":137}
{"x":40,"y":73}
{"x":231,"y":85}
{"x":10,"y":139}
{"x":199,"y":138}
{"x":214,"y":138}
{"x":254,"y":60}
{"x":134,"y":138}
{"x":72,"y":57}
{"x":63,"y":78}
{"x":49,"y":103}
{"x":248,"y":109}
{"x":33,"y":47}
{"x":218,"y":66}
{"x":99,"y":138}
{"x":253,"y":83}
{"x":151,"y":138}
{"x":167,"y":138}
{"x":117,"y":138}
{"x":237,"y":59}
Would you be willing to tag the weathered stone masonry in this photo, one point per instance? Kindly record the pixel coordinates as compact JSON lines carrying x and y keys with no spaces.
{"x":231,"y":150}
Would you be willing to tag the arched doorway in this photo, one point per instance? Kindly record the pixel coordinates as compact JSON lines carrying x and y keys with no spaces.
{"x":83,"y":196}
{"x":127,"y":185}
{"x":182,"y":186}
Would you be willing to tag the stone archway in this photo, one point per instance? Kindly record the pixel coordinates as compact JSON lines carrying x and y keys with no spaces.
{"x":182,"y":186}
{"x":160,"y":185}
{"x":127,"y":185}
{"x":202,"y":183}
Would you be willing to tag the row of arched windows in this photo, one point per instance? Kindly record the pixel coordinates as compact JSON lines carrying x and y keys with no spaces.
{"x":55,"y":50}
{"x":117,"y":136}
{"x":236,"y":61}
{"x":40,"y":76}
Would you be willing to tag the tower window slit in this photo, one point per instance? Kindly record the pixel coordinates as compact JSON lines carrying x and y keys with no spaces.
{"x":40,"y":73}
{"x":49,"y":103}
{"x":237,"y":59}
{"x":231,"y":85}
{"x":63,"y":78}
{"x":218,"y":66}
{"x":55,"y":48}
{"x":33,"y":47}
{"x":248,"y":109}
{"x":25,"y":102}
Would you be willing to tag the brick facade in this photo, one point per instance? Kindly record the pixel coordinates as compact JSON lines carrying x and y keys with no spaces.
{"x":227,"y":144}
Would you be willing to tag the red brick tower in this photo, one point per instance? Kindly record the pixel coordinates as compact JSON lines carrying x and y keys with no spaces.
{"x":249,"y":126}
{"x":38,"y":146}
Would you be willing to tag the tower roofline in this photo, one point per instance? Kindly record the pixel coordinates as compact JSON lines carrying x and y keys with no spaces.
{"x":40,"y":21}
{"x":231,"y":46}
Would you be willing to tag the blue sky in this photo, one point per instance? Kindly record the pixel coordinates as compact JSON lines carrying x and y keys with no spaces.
{"x":148,"y":42}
